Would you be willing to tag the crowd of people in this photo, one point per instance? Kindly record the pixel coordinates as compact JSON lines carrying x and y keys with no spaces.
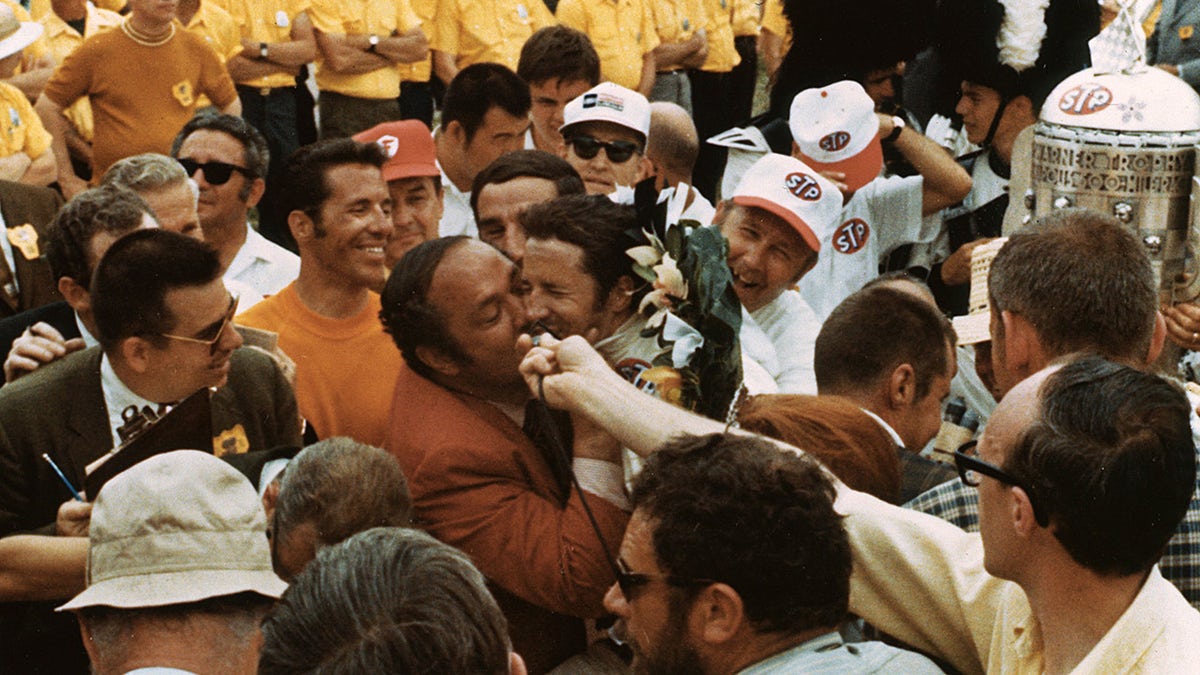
{"x":511,"y":342}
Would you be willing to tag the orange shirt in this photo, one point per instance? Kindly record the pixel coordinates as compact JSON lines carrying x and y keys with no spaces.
{"x":141,"y":96}
{"x":345,"y":368}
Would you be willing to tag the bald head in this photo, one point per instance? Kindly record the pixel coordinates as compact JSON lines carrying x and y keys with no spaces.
{"x":673,"y":143}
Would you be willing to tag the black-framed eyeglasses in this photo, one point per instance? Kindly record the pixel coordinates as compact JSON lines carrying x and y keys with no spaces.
{"x":211,"y":335}
{"x":629,"y":581}
{"x":971,"y":468}
{"x":216,"y":173}
{"x":618,"y":152}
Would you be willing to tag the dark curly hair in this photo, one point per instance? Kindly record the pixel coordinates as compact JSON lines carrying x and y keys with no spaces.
{"x":739,"y":510}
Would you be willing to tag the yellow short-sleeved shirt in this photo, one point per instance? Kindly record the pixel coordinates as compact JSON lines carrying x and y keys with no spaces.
{"x":419,"y":71}
{"x":62,"y":39}
{"x":678,"y":20}
{"x":622,"y":31}
{"x":40,"y":9}
{"x":266,"y":21}
{"x":218,"y":29}
{"x":722,"y":56}
{"x":362,"y":17}
{"x":487,"y":30}
{"x":21,"y":129}
{"x":773,"y":18}
{"x":746,"y":17}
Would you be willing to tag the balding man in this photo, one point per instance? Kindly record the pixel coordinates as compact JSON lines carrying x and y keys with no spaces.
{"x":672,"y":149}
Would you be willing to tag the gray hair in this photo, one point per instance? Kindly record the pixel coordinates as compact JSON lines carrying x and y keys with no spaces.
{"x":388,"y":600}
{"x":148,"y":172}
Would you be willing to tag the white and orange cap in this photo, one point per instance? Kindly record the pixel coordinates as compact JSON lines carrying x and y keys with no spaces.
{"x":836,"y":129}
{"x":792,"y":190}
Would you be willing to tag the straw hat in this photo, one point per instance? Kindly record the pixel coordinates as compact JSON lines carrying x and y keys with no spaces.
{"x":16,"y":35}
{"x":975,"y":326}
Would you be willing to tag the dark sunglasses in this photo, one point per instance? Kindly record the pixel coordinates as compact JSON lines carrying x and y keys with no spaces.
{"x":216,"y":173}
{"x":210,"y":336}
{"x":629,"y":581}
{"x":971,"y":467}
{"x":618,"y":152}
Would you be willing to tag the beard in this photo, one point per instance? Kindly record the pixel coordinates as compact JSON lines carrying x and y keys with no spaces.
{"x":673,"y":655}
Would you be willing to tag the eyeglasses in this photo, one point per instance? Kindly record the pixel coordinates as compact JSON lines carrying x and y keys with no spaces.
{"x":618,"y":152}
{"x":629,"y":581}
{"x":216,"y":173}
{"x":210,"y":336}
{"x":971,"y":468}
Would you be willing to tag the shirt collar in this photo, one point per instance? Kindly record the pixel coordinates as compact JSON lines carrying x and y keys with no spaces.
{"x":886,"y":427}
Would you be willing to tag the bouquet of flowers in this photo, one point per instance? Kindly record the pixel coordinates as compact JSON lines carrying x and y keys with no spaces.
{"x":692,"y":310}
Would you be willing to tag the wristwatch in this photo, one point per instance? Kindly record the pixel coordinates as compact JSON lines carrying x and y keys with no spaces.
{"x":898,"y":125}
{"x":373,"y":42}
{"x":262,"y":50}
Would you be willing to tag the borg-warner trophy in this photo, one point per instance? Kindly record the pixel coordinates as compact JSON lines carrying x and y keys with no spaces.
{"x":1124,"y":143}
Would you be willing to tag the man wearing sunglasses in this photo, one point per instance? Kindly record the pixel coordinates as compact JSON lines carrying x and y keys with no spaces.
{"x":163,"y":318}
{"x":1084,"y":472}
{"x":605,"y":132}
{"x":770,"y":593}
{"x":227,"y":158}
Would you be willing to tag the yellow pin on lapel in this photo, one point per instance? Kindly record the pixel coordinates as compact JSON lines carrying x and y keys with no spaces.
{"x":25,"y":238}
{"x":232,"y":441}
{"x":183,"y":93}
{"x":1186,"y":32}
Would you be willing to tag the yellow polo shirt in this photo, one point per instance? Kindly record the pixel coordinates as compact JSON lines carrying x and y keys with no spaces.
{"x":746,"y":17}
{"x":622,"y":31}
{"x":420,"y":71}
{"x":487,"y":30}
{"x":362,"y":17}
{"x":678,"y":20}
{"x":722,"y":56}
{"x":40,"y":9}
{"x":62,"y":39}
{"x":266,"y":21}
{"x":218,"y":29}
{"x":21,"y":129}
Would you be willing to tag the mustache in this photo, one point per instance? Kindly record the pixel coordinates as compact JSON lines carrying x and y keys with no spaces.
{"x":539,"y":328}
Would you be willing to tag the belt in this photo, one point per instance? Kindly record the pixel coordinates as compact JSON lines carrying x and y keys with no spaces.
{"x":265,"y":91}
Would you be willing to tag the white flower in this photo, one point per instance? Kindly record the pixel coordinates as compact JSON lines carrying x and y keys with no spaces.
{"x":670,"y":279}
{"x":646,"y":256}
{"x":659,"y":299}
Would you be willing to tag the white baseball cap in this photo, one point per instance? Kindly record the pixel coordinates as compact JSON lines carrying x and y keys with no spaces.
{"x":792,"y":190}
{"x":836,"y":129}
{"x":609,"y":102}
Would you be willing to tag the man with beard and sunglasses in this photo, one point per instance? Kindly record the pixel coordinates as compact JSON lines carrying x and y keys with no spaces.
{"x":769,"y":592}
{"x":605,"y":132}
{"x":485,"y":475}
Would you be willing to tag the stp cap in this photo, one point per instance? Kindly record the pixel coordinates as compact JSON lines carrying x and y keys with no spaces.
{"x":609,"y":102}
{"x":836,"y":129}
{"x":408,"y":146}
{"x":792,"y":190}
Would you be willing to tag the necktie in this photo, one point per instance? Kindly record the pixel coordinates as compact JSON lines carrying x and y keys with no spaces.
{"x":8,"y":287}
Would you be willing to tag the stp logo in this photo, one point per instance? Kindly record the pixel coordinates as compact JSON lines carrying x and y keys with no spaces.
{"x":1085,"y":99}
{"x":803,"y":186}
{"x":851,"y":236}
{"x":835,"y":141}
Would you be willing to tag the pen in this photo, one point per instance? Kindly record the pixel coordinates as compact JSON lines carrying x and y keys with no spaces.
{"x":74,"y":492}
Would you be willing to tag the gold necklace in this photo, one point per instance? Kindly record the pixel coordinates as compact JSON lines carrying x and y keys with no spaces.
{"x":147,"y":40}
